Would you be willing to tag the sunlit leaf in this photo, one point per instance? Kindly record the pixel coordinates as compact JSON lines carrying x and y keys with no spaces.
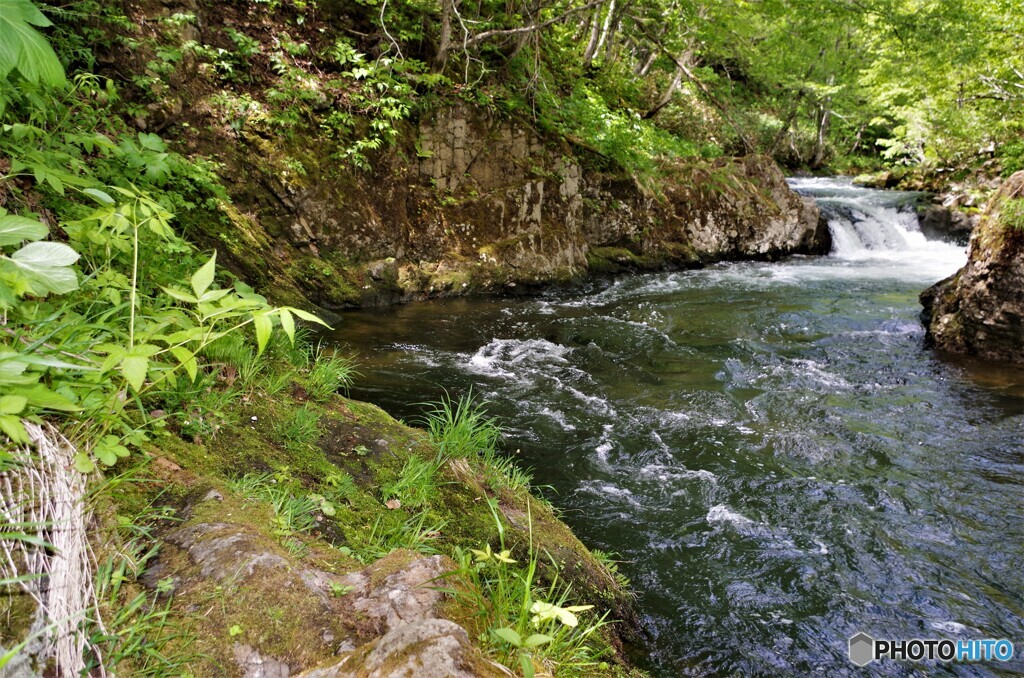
{"x":23,"y":48}
{"x":203,"y":278}
{"x":509,"y":636}
{"x":15,"y":229}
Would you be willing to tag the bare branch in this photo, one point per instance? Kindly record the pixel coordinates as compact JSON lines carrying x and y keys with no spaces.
{"x":486,"y":35}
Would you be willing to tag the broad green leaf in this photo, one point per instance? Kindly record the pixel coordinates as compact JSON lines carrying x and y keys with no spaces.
{"x":109,"y":449}
{"x":42,"y":397}
{"x":45,"y":254}
{"x":12,"y":404}
{"x":186,"y":359}
{"x":134,"y":368}
{"x":11,"y":425}
{"x":527,"y":664}
{"x":211,"y":296}
{"x":264,"y":326}
{"x":203,"y":278}
{"x":510,"y":636}
{"x":306,"y":315}
{"x":48,"y":266}
{"x":536,"y":640}
{"x":83,"y":464}
{"x":12,"y":371}
{"x":23,"y":48}
{"x":287,"y":324}
{"x":175,"y":293}
{"x":15,"y":229}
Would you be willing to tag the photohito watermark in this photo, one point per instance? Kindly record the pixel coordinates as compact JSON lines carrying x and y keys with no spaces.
{"x":864,"y":649}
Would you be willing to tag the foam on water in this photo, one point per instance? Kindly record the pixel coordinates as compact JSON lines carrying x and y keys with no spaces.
{"x":721,"y":513}
{"x":877,"y":231}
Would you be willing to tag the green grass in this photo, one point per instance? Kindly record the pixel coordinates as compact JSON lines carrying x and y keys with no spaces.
{"x":462,"y":429}
{"x":417,"y":533}
{"x":416,"y":485}
{"x":329,"y":374}
{"x":300,"y":428}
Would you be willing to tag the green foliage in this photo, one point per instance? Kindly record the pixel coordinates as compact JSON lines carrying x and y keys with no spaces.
{"x":1012,"y":156}
{"x":329,"y":374}
{"x":1011,"y":213}
{"x":462,"y":429}
{"x":525,"y":624}
{"x":23,"y":49}
{"x":634,"y":144}
{"x":99,"y":325}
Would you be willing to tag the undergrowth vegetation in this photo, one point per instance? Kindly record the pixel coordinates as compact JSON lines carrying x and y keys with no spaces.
{"x":524,"y":622}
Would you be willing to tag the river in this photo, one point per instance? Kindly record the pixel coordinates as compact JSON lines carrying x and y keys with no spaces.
{"x":769,"y":448}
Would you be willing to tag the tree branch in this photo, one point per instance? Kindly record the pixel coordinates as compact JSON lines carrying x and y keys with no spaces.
{"x":480,"y":37}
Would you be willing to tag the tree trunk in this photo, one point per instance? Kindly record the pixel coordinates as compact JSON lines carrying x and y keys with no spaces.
{"x":824,"y":123}
{"x":643,"y":67}
{"x":445,"y":40}
{"x":595,"y":33}
{"x":608,"y":20}
{"x":677,"y":80}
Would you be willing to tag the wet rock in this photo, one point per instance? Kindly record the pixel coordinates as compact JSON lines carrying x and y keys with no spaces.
{"x":945,"y":223}
{"x":980,"y":309}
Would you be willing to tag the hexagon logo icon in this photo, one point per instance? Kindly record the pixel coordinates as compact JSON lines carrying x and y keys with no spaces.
{"x":862,"y":649}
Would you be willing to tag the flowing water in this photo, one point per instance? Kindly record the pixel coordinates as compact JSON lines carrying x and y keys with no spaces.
{"x":769,"y":448}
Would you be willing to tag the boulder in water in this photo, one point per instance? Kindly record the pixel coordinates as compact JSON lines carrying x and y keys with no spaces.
{"x":980,"y":309}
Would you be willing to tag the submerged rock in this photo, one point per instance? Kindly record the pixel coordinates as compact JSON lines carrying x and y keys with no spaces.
{"x":980,"y":309}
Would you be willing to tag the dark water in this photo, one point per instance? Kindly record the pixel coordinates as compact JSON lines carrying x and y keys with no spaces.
{"x":769,"y":447}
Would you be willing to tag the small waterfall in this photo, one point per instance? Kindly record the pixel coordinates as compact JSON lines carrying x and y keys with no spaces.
{"x":866,"y":223}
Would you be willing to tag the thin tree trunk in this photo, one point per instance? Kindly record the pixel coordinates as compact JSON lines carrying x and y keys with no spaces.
{"x":824,"y":122}
{"x":445,"y":40}
{"x":786,"y":125}
{"x":645,"y":66}
{"x":595,"y":33}
{"x":608,"y":19}
{"x":677,"y":80}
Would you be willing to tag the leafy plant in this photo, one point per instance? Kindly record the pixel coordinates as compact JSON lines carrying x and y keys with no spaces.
{"x":526,"y":624}
{"x":25,"y":51}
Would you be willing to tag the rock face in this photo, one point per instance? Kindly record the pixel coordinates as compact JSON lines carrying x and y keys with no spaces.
{"x":487,"y":204}
{"x":386,"y":622}
{"x":947,"y":223}
{"x":980,"y":310}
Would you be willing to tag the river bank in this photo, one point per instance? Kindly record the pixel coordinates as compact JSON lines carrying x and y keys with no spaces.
{"x":769,"y":447}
